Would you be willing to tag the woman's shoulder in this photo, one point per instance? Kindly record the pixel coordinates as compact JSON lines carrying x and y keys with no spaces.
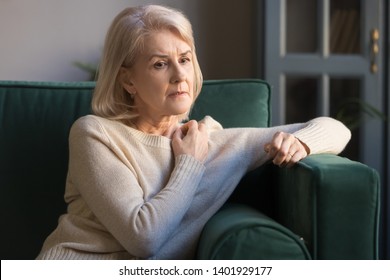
{"x":92,"y":124}
{"x":211,"y":124}
{"x":89,"y":119}
{"x":93,"y":121}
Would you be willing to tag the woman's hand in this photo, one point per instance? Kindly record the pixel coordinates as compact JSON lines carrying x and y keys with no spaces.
{"x":285,"y":149}
{"x":192,"y":139}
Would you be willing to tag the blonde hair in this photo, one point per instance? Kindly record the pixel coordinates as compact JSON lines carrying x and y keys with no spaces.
{"x":124,"y":41}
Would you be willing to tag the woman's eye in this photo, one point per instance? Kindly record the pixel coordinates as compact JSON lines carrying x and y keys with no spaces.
{"x":185,"y":60}
{"x":160,"y":64}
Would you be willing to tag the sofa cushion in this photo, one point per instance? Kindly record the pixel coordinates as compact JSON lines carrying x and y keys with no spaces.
{"x":235,"y":103}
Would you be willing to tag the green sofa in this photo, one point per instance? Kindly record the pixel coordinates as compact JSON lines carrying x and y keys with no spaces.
{"x":325,"y":207}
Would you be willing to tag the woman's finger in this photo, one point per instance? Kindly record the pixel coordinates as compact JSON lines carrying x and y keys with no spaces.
{"x":285,"y":149}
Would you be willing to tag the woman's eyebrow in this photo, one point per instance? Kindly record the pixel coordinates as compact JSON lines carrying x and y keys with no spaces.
{"x":160,"y":55}
{"x":186,"y":52}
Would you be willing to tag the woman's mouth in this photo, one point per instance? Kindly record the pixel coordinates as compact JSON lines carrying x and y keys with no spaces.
{"x":177,"y":94}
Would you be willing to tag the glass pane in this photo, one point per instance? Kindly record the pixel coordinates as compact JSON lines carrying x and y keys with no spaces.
{"x":301,"y":26}
{"x":346,"y":106}
{"x":345,"y":25}
{"x":301,"y":99}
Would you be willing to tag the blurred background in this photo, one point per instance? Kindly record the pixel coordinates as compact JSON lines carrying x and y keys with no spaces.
{"x":42,"y":39}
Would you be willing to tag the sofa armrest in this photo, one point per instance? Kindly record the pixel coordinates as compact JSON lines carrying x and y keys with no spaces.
{"x":238,"y":231}
{"x":333,"y":203}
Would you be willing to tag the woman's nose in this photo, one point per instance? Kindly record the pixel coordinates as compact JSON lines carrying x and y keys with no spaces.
{"x":178,"y":74}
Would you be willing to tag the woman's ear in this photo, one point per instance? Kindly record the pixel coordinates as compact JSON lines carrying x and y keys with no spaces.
{"x":125,"y":81}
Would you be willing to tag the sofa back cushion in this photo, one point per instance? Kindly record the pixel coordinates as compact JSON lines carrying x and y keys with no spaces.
{"x":35,"y":119}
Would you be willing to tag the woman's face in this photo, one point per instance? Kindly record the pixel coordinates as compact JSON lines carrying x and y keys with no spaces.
{"x":162,"y":77}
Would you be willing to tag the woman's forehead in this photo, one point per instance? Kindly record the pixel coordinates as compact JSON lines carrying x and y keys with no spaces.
{"x":164,"y":43}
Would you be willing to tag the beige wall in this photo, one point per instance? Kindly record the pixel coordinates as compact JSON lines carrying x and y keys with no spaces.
{"x":41,"y":39}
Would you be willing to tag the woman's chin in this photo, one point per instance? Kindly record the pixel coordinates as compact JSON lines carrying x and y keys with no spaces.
{"x":180,"y":113}
{"x":180,"y":110}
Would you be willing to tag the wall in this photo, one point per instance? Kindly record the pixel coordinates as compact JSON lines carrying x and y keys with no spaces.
{"x":41,"y":39}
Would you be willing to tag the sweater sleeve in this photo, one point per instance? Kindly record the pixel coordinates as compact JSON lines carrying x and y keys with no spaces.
{"x":246,"y":145}
{"x":324,"y":135}
{"x":114,"y":196}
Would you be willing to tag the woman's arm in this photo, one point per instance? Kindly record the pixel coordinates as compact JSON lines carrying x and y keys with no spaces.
{"x":285,"y":145}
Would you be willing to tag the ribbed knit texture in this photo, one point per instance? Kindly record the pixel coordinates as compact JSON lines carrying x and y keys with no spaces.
{"x":129,"y":197}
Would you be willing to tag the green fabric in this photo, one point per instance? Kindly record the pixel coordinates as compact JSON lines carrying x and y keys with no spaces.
{"x":330,"y":201}
{"x":333,"y":203}
{"x":235,"y":103}
{"x":240,"y":232}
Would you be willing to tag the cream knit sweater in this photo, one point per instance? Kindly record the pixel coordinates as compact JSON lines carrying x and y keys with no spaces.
{"x":128,"y":197}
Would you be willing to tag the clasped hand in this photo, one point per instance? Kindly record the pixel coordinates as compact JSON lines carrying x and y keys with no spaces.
{"x":285,"y":149}
{"x":191,"y":139}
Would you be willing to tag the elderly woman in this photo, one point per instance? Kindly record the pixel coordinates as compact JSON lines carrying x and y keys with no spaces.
{"x":141,"y":184}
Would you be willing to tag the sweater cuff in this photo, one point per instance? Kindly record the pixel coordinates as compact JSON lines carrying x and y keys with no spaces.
{"x":324,"y":135}
{"x":188,"y":170}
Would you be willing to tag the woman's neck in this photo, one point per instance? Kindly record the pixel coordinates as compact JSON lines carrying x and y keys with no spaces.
{"x":165,"y":127}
